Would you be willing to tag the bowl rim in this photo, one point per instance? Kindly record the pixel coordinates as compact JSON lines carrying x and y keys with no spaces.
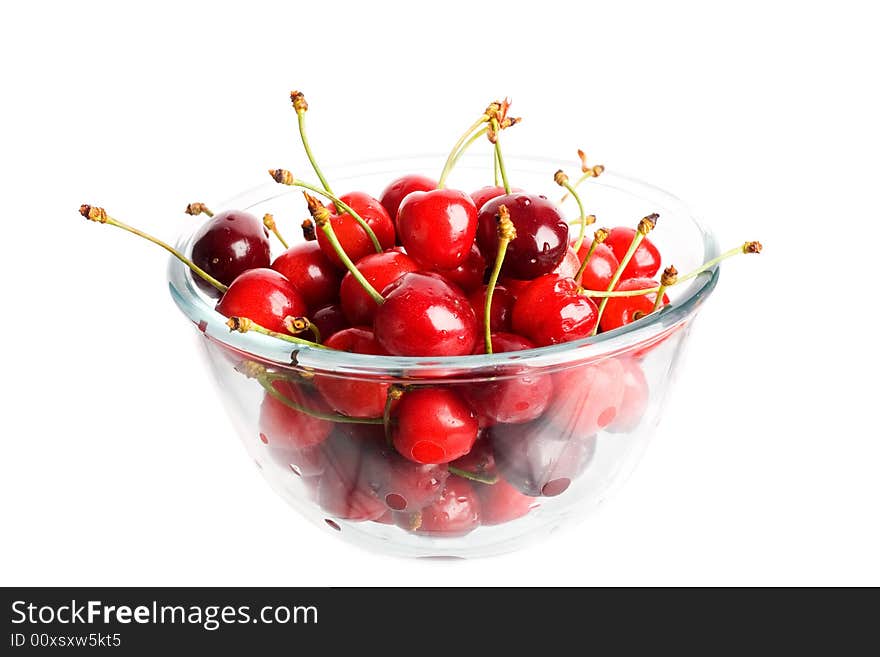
{"x":195,"y":305}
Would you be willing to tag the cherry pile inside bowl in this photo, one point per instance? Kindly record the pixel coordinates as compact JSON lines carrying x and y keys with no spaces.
{"x":427,"y":270}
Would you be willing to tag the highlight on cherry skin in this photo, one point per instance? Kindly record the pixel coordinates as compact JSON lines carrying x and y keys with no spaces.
{"x":426,"y":270}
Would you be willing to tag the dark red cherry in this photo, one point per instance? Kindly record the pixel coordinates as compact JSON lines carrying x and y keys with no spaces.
{"x":455,"y":513}
{"x":636,"y":395}
{"x":284,"y":427}
{"x":433,"y":425}
{"x":424,"y":315}
{"x":404,"y":485}
{"x":514,"y":395}
{"x":263,"y":296}
{"x":536,"y":460}
{"x":550,"y":311}
{"x":230,"y":244}
{"x":397,"y":190}
{"x":502,"y":309}
{"x":645,"y":261}
{"x":344,"y":490}
{"x":600,"y":269}
{"x":480,"y":461}
{"x":309,"y":271}
{"x":469,"y":274}
{"x":592,"y":399}
{"x":541,"y":235}
{"x":380,"y":269}
{"x":500,"y":502}
{"x":329,"y":319}
{"x":354,"y":240}
{"x":514,"y":286}
{"x":485,"y":194}
{"x":437,"y":228}
{"x":619,"y":311}
{"x":348,"y":394}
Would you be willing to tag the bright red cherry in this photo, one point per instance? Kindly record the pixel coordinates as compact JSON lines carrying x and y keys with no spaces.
{"x":424,"y":315}
{"x":541,"y":234}
{"x":514,"y":286}
{"x":600,"y":269}
{"x":230,"y":244}
{"x":499,"y":315}
{"x":283,"y":427}
{"x":500,"y":502}
{"x":636,"y":395}
{"x":354,"y":240}
{"x":329,"y":319}
{"x":263,"y":296}
{"x":519,"y":397}
{"x":455,"y":513}
{"x":646,"y":259}
{"x":399,"y":189}
{"x":621,"y":310}
{"x":350,"y":395}
{"x":309,"y":271}
{"x":380,"y":269}
{"x":550,"y":311}
{"x":437,"y":228}
{"x":592,"y":399}
{"x":433,"y":425}
{"x":469,"y":274}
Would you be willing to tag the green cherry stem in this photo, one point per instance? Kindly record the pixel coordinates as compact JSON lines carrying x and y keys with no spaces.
{"x":473,"y":476}
{"x":467,"y":145}
{"x":586,"y":172}
{"x":99,"y":215}
{"x":298,"y":100}
{"x":269,"y":222}
{"x":321,"y":215}
{"x":583,"y":219}
{"x":495,"y":166}
{"x":506,"y":234}
{"x":450,"y":161}
{"x":493,"y":137}
{"x":599,"y":236}
{"x":284,"y":177}
{"x":244,"y":325}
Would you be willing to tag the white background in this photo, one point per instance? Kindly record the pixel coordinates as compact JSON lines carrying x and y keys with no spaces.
{"x":118,"y":464}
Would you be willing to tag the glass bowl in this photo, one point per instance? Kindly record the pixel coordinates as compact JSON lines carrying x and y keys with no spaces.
{"x":560,"y":426}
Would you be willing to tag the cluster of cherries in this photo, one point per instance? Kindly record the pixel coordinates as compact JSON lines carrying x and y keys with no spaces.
{"x":426,"y":270}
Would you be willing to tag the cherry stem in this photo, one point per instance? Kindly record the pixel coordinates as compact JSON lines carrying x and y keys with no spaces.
{"x":506,"y":233}
{"x":321,"y":215}
{"x":394,"y":392}
{"x":99,"y":215}
{"x":269,"y":222}
{"x":495,"y":165}
{"x":467,"y":145}
{"x":473,"y":476}
{"x":243,"y":325}
{"x":589,"y":173}
{"x":496,"y":129}
{"x":450,"y":161}
{"x":284,"y":177}
{"x":598,"y":237}
{"x":301,"y":106}
{"x":195,"y":209}
{"x":297,"y":325}
{"x":583,"y":219}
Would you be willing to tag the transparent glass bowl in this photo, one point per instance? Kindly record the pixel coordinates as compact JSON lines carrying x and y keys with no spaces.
{"x":583,"y":410}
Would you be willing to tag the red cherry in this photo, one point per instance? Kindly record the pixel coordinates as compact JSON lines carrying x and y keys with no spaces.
{"x":600,"y":269}
{"x":620,"y":310}
{"x":230,"y":244}
{"x":433,"y":425}
{"x":380,"y":269}
{"x":636,"y":395}
{"x":348,"y":394}
{"x":437,"y":228}
{"x":501,"y":502}
{"x":309,"y":271}
{"x":550,"y":311}
{"x":480,"y":461}
{"x":329,"y":319}
{"x":569,"y":265}
{"x":343,"y":490}
{"x":397,"y":190}
{"x":469,"y":274}
{"x":354,"y":240}
{"x":455,"y":513}
{"x":520,"y":397}
{"x":284,"y":427}
{"x":424,"y":315}
{"x":263,"y":296}
{"x":541,"y":234}
{"x":404,"y":485}
{"x":646,"y":259}
{"x":514,"y":286}
{"x":592,"y":399}
{"x":499,"y":315}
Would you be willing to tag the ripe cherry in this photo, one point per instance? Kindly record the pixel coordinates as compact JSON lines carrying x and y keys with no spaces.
{"x":283,"y":427}
{"x":424,"y":315}
{"x":230,"y":244}
{"x":485,"y":194}
{"x":550,"y":311}
{"x":343,"y":490}
{"x":351,"y":236}
{"x":397,"y":190}
{"x":437,"y":228}
{"x":500,"y":313}
{"x":636,"y":395}
{"x":620,"y":311}
{"x":348,"y":394}
{"x":541,"y":234}
{"x":569,"y":265}
{"x":645,"y":261}
{"x":263,"y":296}
{"x":455,"y":513}
{"x":329,"y":319}
{"x":433,"y":425}
{"x":600,"y":267}
{"x":310,"y":272}
{"x":501,"y":502}
{"x":479,"y":463}
{"x":380,"y":269}
{"x":469,"y":274}
{"x":406,"y":486}
{"x":594,"y":394}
